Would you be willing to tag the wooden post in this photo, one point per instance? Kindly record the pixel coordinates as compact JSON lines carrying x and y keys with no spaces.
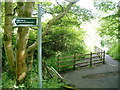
{"x":74,"y":62}
{"x":104,"y":58}
{"x":58,"y":63}
{"x":100,"y":54}
{"x":95,"y":49}
{"x":91,"y":59}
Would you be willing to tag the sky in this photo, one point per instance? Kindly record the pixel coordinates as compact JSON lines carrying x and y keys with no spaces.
{"x":92,"y":38}
{"x":89,"y":4}
{"x":83,"y":3}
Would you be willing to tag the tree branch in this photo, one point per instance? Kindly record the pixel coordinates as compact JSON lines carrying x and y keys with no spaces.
{"x":49,"y":24}
{"x":52,"y":21}
{"x":59,"y":5}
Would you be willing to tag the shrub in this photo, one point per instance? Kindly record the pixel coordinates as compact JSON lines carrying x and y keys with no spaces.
{"x":114,"y":51}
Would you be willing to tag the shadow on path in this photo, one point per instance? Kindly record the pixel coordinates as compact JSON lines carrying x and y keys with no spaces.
{"x":99,"y":76}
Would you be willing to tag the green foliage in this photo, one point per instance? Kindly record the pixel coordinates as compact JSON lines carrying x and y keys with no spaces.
{"x":32,"y":36}
{"x":52,"y":83}
{"x":31,"y":81}
{"x":81,"y":13}
{"x":9,"y":81}
{"x":105,"y":5}
{"x":114,"y":51}
{"x":2,"y":14}
{"x":109,"y":20}
{"x":0,"y":83}
{"x":65,"y":35}
{"x":52,"y":61}
{"x":64,"y":39}
{"x":109,"y":25}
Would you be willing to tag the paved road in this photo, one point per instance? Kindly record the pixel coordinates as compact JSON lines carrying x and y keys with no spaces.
{"x":100,"y":76}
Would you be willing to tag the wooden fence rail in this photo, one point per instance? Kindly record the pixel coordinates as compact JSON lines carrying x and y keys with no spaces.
{"x":80,"y":60}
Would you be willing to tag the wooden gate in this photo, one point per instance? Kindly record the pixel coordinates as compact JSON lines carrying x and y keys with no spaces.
{"x":81,"y":60}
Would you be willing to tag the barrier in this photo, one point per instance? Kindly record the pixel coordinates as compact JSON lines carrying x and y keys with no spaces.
{"x":81,"y":60}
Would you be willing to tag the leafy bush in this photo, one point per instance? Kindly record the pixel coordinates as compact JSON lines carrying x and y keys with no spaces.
{"x":9,"y":81}
{"x":114,"y":51}
{"x":52,"y":83}
{"x":63,"y":39}
{"x":31,"y":81}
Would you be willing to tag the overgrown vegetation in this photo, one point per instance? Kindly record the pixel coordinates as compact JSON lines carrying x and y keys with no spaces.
{"x":62,"y":36}
{"x":31,"y":81}
{"x":114,"y":51}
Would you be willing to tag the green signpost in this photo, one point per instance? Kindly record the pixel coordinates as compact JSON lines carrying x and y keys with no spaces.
{"x":33,"y":22}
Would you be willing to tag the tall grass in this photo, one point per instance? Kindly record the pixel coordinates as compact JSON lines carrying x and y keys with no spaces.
{"x":31,"y":80}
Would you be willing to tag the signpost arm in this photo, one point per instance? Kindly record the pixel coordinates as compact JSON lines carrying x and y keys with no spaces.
{"x":39,"y":46}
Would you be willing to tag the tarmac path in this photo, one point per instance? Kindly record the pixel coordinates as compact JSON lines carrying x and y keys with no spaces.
{"x":99,"y":76}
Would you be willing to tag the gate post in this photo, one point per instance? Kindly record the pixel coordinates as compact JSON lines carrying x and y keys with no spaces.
{"x":91,"y":59}
{"x":58,"y":63}
{"x":104,"y":57}
{"x":74,"y":61}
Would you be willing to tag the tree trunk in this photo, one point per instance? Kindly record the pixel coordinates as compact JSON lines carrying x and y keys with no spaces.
{"x":8,"y":35}
{"x":23,"y":35}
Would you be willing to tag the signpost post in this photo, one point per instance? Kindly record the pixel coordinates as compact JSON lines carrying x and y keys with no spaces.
{"x":39,"y":45}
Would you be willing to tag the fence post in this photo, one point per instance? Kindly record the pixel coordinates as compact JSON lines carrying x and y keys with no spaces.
{"x":95,"y":49}
{"x":74,"y":61}
{"x":91,"y":59}
{"x":104,"y":58}
{"x":100,"y":54}
{"x":58,"y":63}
